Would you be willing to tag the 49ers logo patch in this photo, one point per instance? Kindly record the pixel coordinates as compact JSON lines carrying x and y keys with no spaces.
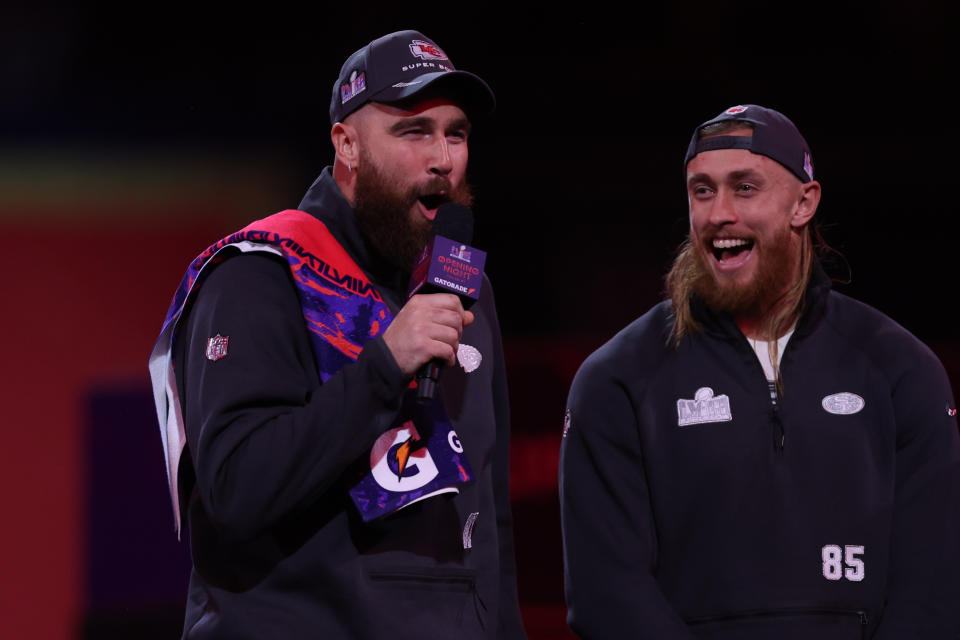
{"x":843,"y":404}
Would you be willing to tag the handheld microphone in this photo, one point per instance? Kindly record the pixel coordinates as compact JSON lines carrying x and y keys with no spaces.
{"x":447,"y":265}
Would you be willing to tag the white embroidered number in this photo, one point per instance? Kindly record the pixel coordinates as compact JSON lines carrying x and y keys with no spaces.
{"x":854,"y":570}
{"x":832,"y":568}
{"x":842,"y":563}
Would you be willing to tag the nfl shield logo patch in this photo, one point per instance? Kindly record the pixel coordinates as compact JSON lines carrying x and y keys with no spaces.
{"x":217,"y":347}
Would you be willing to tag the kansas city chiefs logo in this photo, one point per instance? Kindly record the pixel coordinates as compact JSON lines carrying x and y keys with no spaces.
{"x":427,"y":50}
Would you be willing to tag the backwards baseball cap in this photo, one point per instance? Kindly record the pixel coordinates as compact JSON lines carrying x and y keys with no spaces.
{"x":400,"y":65}
{"x":773,"y":136}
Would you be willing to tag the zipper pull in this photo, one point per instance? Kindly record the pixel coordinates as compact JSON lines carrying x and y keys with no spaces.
{"x":779,"y":433}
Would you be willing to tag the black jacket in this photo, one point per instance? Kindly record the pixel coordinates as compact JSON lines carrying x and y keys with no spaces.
{"x":279,"y":549}
{"x":694,"y":506}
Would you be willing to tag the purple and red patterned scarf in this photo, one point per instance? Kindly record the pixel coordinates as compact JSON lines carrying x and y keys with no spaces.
{"x":342,"y":311}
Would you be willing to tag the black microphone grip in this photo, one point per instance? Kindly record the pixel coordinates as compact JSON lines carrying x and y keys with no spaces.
{"x":427,"y":378}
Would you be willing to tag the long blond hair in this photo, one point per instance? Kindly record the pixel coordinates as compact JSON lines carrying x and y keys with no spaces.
{"x":783,"y":312}
{"x":781,"y":316}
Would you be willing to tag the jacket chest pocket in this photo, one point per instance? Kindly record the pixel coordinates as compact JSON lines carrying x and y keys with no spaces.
{"x":783,"y":625}
{"x":448,"y":580}
{"x":428,"y":603}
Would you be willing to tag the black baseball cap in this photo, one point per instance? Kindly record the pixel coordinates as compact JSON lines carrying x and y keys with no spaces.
{"x":399,"y":65}
{"x":774,"y":136}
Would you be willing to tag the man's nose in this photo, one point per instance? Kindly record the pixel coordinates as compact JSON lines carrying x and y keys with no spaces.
{"x":440,"y":162}
{"x":723,"y":209}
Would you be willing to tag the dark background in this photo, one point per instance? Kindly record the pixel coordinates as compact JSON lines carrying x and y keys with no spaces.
{"x":578,"y":173}
{"x":116,"y":118}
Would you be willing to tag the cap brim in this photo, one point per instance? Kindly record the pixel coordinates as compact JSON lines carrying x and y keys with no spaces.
{"x":473,"y":94}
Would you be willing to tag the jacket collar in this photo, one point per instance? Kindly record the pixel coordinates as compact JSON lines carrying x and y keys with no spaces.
{"x":326,"y":202}
{"x":815,"y":301}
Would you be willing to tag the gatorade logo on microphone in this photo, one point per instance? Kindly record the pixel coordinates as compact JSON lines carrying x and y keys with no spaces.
{"x":452,"y":266}
{"x":448,"y":264}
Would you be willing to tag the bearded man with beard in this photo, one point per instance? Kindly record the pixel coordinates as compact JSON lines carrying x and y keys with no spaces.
{"x":759,"y":456}
{"x":323,"y":500}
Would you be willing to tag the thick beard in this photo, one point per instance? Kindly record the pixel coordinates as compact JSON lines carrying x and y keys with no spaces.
{"x":384,"y":208}
{"x":773,"y":277}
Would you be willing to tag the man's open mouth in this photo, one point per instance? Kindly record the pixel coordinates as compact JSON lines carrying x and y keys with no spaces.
{"x":431,"y":201}
{"x":731,"y":250}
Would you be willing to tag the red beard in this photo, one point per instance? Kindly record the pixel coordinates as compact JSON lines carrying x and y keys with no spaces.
{"x":384,"y":207}
{"x":773,"y":276}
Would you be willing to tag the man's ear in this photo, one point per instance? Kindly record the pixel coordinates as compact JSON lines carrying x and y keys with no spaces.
{"x":807,"y":203}
{"x":345,"y":143}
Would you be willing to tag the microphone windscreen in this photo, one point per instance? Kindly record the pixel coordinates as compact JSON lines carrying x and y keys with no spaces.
{"x":455,"y":222}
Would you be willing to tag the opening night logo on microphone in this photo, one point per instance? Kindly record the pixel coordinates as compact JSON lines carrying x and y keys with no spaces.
{"x":450,"y":266}
{"x":460,"y":253}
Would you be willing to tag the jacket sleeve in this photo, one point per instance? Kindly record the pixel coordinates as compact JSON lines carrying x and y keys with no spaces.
{"x":264,"y":435}
{"x":924,"y":576}
{"x":609,"y":539}
{"x":510,"y":623}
